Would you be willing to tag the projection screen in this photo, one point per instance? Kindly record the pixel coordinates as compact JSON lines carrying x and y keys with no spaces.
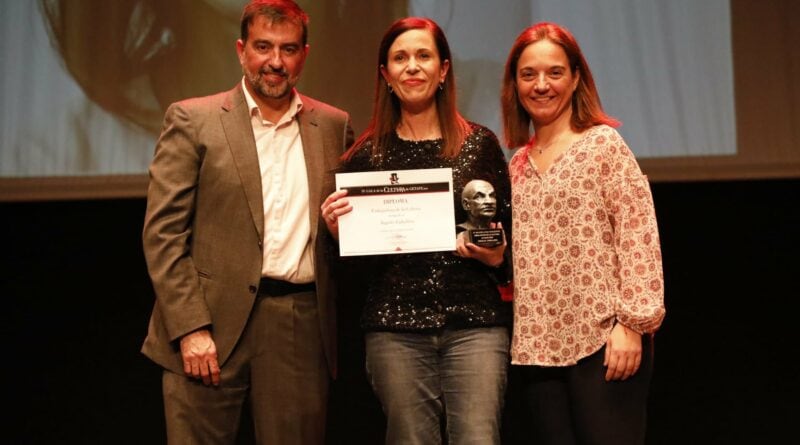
{"x":704,"y":89}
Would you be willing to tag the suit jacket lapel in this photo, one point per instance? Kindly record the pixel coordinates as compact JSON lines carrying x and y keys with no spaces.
{"x":312,"y":143}
{"x":235,"y":119}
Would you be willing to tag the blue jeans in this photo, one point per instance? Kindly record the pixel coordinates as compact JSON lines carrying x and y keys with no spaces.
{"x":458,"y":374}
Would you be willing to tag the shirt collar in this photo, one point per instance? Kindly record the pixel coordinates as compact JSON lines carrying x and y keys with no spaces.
{"x":294,"y":107}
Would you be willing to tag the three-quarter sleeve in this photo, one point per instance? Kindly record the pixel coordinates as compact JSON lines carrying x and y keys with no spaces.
{"x":639,"y":302}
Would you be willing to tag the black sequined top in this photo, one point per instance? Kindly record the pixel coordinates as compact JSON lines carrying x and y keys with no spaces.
{"x":428,"y":291}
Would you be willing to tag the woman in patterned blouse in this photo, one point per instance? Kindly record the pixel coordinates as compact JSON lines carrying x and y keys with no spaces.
{"x":588,"y":283}
{"x":437,"y":339}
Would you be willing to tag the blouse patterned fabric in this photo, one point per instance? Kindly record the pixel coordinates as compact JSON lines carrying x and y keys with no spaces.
{"x":425,"y":291}
{"x":586,"y":251}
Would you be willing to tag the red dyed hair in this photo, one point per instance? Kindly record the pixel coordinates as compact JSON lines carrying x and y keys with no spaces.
{"x":586,"y":108}
{"x":386,"y":106}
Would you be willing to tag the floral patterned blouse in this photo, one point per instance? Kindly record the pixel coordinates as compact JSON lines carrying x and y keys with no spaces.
{"x":586,"y":250}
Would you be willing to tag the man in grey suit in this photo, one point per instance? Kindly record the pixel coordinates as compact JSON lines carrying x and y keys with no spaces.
{"x":236,"y":248}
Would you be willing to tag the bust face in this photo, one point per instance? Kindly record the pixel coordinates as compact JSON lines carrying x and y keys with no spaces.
{"x":480,"y":202}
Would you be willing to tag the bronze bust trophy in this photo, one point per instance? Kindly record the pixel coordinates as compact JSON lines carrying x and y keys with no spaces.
{"x":480,"y":202}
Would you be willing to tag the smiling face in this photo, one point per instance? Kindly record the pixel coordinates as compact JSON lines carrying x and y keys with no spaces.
{"x":414,"y":69}
{"x":272,"y":58}
{"x":545,"y":83}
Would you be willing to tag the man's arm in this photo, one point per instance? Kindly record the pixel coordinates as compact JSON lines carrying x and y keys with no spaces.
{"x":167,"y":234}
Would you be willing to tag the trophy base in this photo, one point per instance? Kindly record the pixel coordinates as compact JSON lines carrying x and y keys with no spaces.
{"x":485,"y":237}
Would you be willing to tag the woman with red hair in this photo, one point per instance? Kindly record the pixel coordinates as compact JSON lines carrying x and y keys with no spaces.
{"x":436,"y":327}
{"x":588,"y":283}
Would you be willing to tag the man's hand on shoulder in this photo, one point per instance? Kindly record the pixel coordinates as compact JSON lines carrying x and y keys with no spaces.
{"x":199,"y":353}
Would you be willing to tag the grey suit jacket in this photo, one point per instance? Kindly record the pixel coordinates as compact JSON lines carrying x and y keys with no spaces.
{"x":204,"y":223}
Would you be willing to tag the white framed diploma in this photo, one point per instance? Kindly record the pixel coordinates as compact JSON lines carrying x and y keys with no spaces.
{"x":397,"y":211}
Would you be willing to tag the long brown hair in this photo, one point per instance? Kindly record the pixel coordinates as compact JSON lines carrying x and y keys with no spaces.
{"x":386,"y":106}
{"x":586,"y":108}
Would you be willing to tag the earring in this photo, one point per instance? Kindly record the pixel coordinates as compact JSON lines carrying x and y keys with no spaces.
{"x":441,"y":86}
{"x":389,"y":86}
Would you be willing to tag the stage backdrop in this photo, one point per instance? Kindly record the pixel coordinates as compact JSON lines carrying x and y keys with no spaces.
{"x":704,"y":89}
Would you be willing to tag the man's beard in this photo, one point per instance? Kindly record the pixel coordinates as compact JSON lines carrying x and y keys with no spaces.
{"x":265,"y":90}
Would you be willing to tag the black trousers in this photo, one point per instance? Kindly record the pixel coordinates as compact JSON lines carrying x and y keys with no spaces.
{"x":574,"y":405}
